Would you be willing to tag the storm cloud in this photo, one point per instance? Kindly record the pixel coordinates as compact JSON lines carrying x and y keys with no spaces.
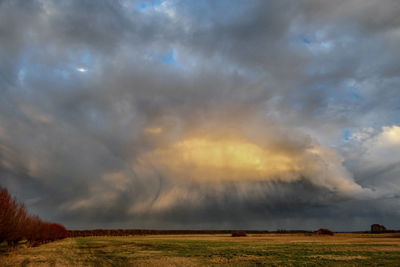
{"x":202,"y":114}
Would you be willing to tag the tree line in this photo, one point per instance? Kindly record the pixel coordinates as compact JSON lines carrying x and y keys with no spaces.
{"x":128,"y":232}
{"x":16,"y":224}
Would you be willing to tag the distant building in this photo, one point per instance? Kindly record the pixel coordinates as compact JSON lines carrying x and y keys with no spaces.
{"x":377,"y":228}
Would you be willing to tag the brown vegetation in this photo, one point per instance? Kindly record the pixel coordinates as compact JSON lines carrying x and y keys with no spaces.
{"x":342,"y":249}
{"x":128,"y":232}
{"x":380,"y":229}
{"x":377,"y":228}
{"x":324,"y":231}
{"x":238,"y":233}
{"x":16,"y":224}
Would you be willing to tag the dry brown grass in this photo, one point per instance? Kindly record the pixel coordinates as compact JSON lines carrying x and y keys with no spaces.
{"x":340,"y":258}
{"x":195,"y":250}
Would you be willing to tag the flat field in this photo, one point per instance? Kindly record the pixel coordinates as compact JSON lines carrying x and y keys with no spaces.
{"x":198,"y":250}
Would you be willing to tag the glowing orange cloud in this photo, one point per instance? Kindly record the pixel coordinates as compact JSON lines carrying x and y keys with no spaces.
{"x":207,"y":159}
{"x":235,"y":158}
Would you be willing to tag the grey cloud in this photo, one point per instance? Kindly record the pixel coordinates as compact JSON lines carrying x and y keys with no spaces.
{"x":308,"y":70}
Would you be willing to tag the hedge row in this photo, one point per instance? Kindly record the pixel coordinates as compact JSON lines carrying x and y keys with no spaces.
{"x":16,"y":224}
{"x":127,"y":232}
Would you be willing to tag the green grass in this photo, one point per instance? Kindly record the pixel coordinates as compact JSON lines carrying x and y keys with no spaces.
{"x":179,"y":250}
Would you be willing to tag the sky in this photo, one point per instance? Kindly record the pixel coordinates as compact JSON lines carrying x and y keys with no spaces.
{"x":174,"y":114}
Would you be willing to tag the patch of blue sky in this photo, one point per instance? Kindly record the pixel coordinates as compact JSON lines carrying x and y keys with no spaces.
{"x":77,"y":61}
{"x":143,"y":6}
{"x":82,"y":57}
{"x":306,"y":40}
{"x":312,"y":44}
{"x":156,"y":3}
{"x":346,"y":135}
{"x":60,"y":72}
{"x":27,"y":66}
{"x":170,"y":58}
{"x":354,"y":96}
{"x":299,"y":41}
{"x":167,"y":57}
{"x":352,"y":91}
{"x":86,"y":57}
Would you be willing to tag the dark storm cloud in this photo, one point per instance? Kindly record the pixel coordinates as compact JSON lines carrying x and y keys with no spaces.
{"x":92,"y":92}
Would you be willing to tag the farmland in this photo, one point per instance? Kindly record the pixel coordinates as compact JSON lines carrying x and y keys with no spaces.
{"x":218,"y":249}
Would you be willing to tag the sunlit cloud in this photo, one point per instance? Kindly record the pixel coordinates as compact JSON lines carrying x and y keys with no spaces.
{"x":153,"y":130}
{"x":391,"y":135}
{"x":223,"y":156}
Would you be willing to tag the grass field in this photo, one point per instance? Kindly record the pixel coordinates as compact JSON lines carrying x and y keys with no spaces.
{"x":195,"y":250}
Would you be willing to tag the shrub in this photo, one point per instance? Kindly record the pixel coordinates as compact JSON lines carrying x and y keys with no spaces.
{"x":377,"y":228}
{"x":238,"y":233}
{"x":324,"y":231}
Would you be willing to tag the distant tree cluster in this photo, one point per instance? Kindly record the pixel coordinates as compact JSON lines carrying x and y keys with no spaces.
{"x":379,"y":229}
{"x":127,"y":232}
{"x":16,"y":224}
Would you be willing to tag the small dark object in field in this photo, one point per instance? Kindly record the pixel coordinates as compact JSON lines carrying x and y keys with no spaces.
{"x":238,"y":233}
{"x":324,"y":231}
{"x":377,"y":228}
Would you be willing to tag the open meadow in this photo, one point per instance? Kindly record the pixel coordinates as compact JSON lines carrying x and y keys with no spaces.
{"x":198,"y":250}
